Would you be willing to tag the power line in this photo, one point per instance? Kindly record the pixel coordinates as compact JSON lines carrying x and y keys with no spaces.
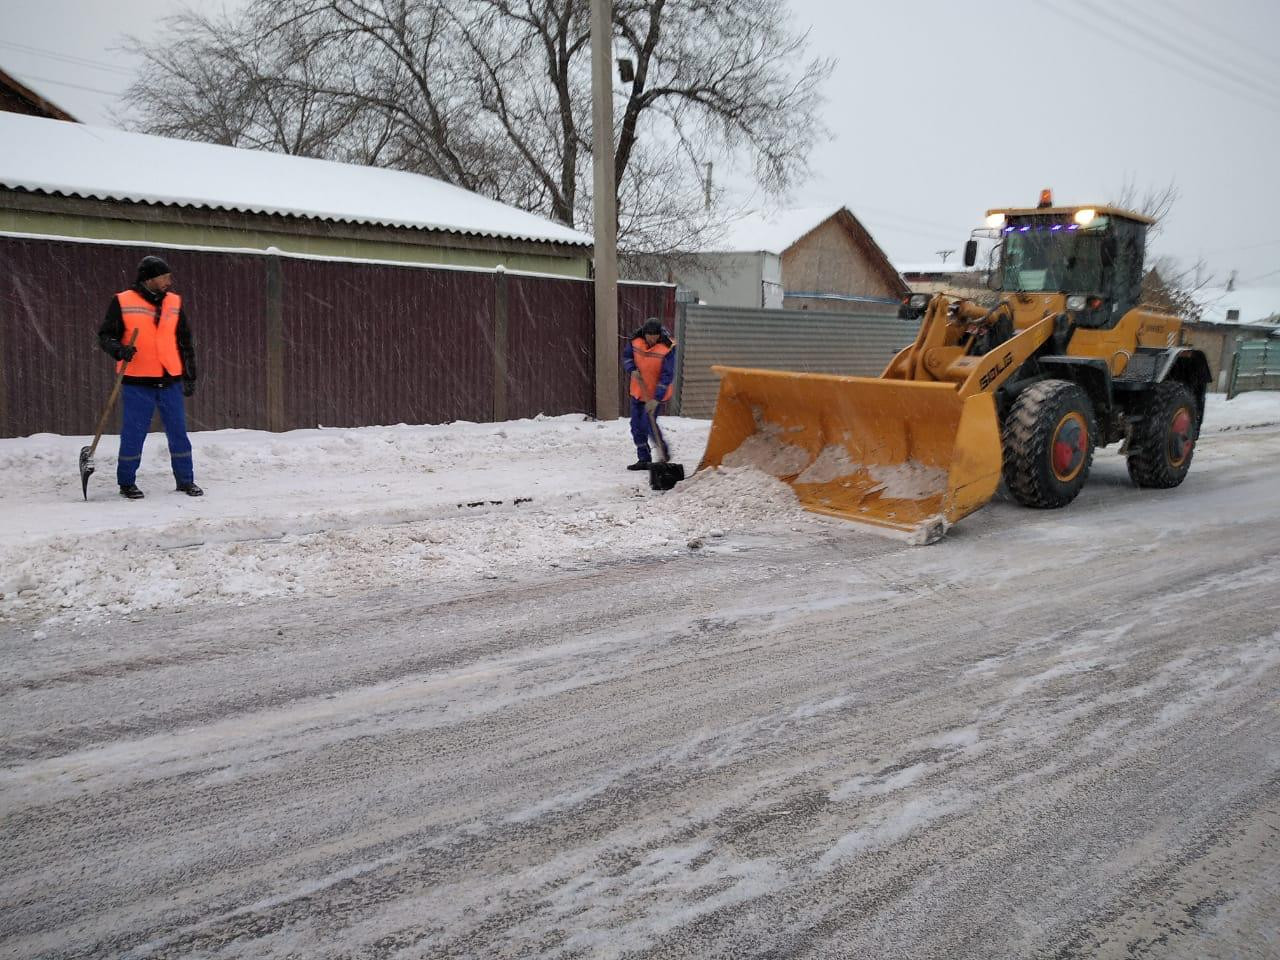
{"x":1195,"y":56}
{"x":77,"y":86}
{"x":66,"y":58}
{"x":1268,"y":57}
{"x":1192,"y":51}
{"x":906,"y":217}
{"x":941,"y":231}
{"x":888,"y":227}
{"x":1211,"y":74}
{"x":1252,"y":246}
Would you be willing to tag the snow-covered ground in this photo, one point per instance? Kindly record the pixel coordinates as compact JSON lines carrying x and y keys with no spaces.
{"x":320,"y":512}
{"x":329,"y":510}
{"x":1052,"y":734}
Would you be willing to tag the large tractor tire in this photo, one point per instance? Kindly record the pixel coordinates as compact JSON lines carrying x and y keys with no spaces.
{"x":1163,"y":441}
{"x":1048,"y":444}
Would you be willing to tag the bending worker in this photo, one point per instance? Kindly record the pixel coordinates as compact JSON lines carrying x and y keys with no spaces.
{"x":161,"y":371}
{"x":650,"y":358}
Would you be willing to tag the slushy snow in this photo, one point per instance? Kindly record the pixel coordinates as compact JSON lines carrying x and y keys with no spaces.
{"x":328,"y":511}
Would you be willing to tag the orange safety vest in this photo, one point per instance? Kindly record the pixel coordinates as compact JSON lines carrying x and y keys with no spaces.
{"x":649,"y":362}
{"x":157,"y":341}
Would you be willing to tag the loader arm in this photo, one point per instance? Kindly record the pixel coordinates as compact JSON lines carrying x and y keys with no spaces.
{"x":940,"y":353}
{"x":985,"y":374}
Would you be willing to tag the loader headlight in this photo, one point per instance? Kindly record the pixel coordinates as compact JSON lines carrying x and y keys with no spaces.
{"x":995,"y":220}
{"x":913,"y":306}
{"x":1075,"y":302}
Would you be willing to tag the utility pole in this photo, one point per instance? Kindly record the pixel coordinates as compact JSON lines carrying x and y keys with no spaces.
{"x":605,"y":203}
{"x":944,"y":254}
{"x":706,"y":186}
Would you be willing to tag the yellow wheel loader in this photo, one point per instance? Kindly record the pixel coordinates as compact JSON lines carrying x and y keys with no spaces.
{"x":1067,"y":361}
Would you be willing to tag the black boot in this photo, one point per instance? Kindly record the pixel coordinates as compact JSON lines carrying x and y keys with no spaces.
{"x":131,"y":492}
{"x":639,"y":465}
{"x":190,"y":489}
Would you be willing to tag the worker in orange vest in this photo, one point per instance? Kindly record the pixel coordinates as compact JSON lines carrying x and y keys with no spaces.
{"x":650,"y":358}
{"x":159,"y":370}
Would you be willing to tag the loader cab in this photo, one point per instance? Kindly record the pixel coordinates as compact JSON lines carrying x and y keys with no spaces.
{"x":1092,"y":256}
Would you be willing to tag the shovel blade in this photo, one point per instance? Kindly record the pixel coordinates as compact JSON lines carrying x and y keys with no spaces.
{"x":86,"y":468}
{"x":664,"y":476}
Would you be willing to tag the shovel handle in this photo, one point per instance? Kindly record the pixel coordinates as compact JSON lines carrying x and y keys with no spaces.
{"x":111,"y":401}
{"x":658,"y":438}
{"x":653,"y":420}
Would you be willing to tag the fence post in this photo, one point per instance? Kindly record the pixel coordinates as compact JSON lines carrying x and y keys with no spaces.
{"x":681,"y":331}
{"x":501,"y":302}
{"x":1235,"y":370}
{"x":4,"y":389}
{"x":275,"y":344}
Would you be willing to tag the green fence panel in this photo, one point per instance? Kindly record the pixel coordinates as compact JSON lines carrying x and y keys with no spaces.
{"x":1256,"y":366}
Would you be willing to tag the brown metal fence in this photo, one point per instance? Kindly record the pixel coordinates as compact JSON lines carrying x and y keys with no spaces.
{"x":550,"y":346}
{"x":287,"y":342}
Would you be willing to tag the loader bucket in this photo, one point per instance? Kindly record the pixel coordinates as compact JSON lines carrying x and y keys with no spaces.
{"x":898,"y":455}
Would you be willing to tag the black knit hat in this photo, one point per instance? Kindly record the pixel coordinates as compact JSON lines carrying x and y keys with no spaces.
{"x":152,"y":267}
{"x":652,"y":325}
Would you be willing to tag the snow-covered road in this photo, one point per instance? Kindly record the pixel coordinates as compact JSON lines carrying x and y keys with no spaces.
{"x":1054,"y":734}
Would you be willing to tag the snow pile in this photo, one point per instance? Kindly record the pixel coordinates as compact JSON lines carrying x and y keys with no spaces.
{"x":831,"y":464}
{"x":333,"y":511}
{"x":731,"y":496}
{"x":767,"y":453}
{"x":910,"y":480}
{"x":1256,"y":409}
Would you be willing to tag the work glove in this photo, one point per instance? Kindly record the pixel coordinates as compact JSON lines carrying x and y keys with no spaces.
{"x":651,"y":406}
{"x":125,"y":352}
{"x":188,"y":387}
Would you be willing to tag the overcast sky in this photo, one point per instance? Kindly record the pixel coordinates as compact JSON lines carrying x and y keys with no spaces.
{"x":938,"y":109}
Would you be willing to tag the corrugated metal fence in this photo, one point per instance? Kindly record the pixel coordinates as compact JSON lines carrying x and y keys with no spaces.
{"x":286,"y":342}
{"x":1255,"y":366}
{"x":809,"y":341}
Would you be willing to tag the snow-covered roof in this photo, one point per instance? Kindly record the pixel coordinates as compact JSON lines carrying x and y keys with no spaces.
{"x":1256,"y":304}
{"x":771,"y":231}
{"x":775,"y":231}
{"x":101,"y":163}
{"x":954,"y":266}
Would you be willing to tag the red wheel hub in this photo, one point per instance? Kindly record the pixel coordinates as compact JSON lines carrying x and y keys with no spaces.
{"x":1069,"y":445}
{"x":1180,"y":441}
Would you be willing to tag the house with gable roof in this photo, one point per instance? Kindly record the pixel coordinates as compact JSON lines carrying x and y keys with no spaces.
{"x":17,"y":97}
{"x":809,"y":258}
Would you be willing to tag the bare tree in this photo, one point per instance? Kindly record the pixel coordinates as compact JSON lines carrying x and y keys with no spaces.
{"x":1170,"y":287}
{"x":1166,"y":284}
{"x":238,"y":82}
{"x":1153,"y":202}
{"x":494,"y":96}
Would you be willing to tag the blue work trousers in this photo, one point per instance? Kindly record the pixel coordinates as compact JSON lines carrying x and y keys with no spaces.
{"x":640,"y":431}
{"x":140,"y":404}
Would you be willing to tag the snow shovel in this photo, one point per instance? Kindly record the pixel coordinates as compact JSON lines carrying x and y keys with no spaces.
{"x":86,"y":453}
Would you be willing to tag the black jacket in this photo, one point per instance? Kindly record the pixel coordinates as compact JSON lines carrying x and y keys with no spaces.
{"x":111,"y":335}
